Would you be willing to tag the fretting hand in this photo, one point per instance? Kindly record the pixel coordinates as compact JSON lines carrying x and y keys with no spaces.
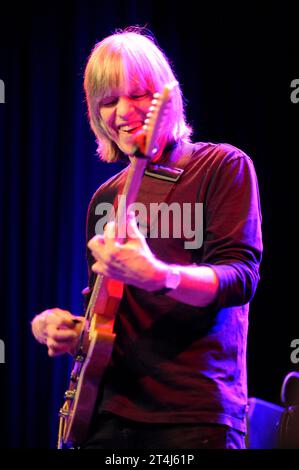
{"x":131,"y":262}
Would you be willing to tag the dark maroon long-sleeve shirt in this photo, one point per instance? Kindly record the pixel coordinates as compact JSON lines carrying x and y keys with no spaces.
{"x":173,"y":362}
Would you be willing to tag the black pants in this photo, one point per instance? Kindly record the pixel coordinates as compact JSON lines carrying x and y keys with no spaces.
{"x":109,"y":431}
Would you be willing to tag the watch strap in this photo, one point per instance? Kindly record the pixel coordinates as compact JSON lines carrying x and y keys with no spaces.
{"x":162,"y":291}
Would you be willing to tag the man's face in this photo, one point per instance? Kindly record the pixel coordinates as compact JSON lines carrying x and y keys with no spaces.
{"x":123,"y":116}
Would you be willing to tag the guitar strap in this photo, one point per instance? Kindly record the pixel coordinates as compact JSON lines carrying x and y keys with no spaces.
{"x":159,"y":181}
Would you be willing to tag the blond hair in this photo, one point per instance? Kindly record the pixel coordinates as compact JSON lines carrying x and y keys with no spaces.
{"x":114,"y":62}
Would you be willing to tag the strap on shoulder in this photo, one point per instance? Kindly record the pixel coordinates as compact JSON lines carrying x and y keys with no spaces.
{"x":174,"y":168}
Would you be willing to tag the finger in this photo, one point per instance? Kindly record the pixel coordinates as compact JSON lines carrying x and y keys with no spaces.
{"x":66,"y":323}
{"x":99,"y":268}
{"x":96,"y":242}
{"x":64,"y":336}
{"x":109,"y":235}
{"x":132,"y":227}
{"x":56,"y":349}
{"x":109,"y":271}
{"x":98,"y":250}
{"x":58,"y":316}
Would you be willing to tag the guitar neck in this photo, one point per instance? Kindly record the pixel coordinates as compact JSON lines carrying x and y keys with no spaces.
{"x":129,"y":195}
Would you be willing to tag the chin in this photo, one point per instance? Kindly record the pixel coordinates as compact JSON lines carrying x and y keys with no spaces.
{"x":128,"y":150}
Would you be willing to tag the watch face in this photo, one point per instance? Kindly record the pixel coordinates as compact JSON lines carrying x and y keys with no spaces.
{"x":173,"y":278}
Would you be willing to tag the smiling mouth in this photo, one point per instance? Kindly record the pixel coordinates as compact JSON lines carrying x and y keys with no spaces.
{"x":131,"y":129}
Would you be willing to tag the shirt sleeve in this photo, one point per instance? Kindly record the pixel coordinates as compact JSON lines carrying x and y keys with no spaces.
{"x":233,"y":238}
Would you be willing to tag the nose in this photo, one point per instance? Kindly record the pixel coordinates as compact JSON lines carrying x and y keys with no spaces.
{"x":125,"y":107}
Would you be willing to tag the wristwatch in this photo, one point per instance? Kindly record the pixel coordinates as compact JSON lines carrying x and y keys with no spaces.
{"x":172,"y":281}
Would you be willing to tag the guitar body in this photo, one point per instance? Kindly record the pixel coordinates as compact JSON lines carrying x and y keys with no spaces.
{"x":97,"y":337}
{"x":89,"y":365}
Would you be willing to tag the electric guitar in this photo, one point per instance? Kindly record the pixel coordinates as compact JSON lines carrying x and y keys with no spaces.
{"x":97,"y":337}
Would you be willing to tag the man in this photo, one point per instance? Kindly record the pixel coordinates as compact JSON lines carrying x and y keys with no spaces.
{"x":177,"y":376}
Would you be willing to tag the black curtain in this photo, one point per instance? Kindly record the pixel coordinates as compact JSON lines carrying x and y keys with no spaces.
{"x":235,"y":64}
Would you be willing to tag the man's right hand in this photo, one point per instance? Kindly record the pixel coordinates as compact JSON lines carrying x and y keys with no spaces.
{"x":58,"y":329}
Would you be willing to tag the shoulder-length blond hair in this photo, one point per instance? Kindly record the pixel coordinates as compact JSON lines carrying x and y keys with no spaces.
{"x":114,"y":62}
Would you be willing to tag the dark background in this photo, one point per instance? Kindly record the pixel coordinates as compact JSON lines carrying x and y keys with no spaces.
{"x":235,"y":63}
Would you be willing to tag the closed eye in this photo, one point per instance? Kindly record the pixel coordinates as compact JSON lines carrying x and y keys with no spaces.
{"x":112,"y":100}
{"x":109,"y":101}
{"x":139,"y":96}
